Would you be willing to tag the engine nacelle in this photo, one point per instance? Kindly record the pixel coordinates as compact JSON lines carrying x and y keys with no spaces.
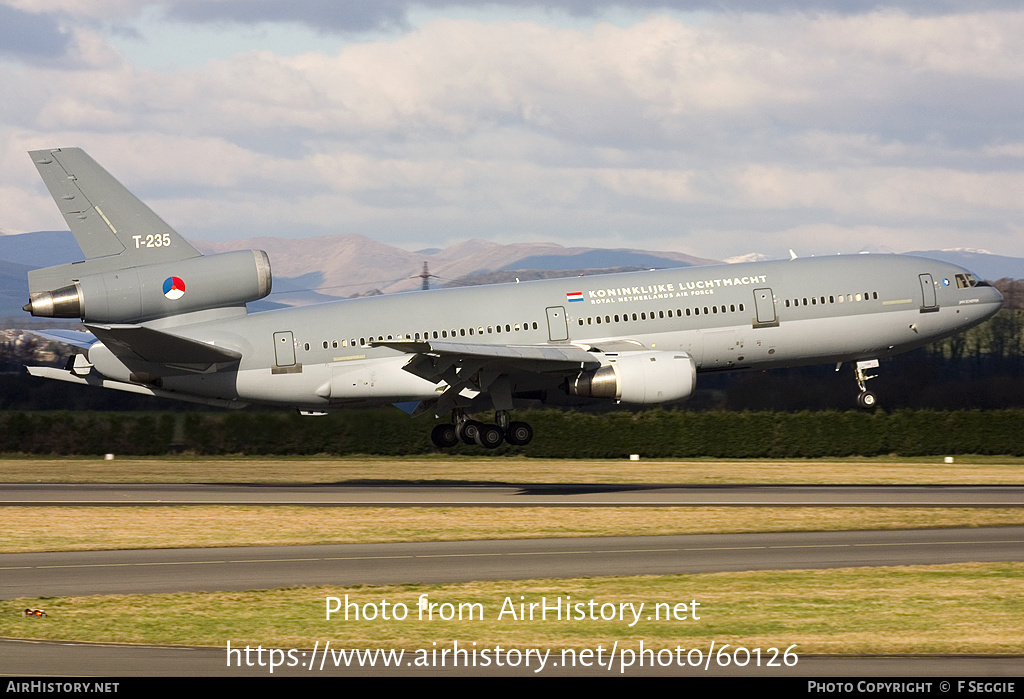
{"x":153,"y":291}
{"x":639,"y":377}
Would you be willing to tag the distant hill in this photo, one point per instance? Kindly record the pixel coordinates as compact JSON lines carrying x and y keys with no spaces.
{"x":984,"y":264}
{"x":529,"y":275}
{"x":40,"y":249}
{"x":354,"y":265}
{"x":604,"y":259}
{"x":315,"y":270}
{"x":13,"y":288}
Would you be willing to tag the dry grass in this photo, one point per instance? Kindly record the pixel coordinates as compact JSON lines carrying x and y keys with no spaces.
{"x":441,"y":469}
{"x":87,"y":528}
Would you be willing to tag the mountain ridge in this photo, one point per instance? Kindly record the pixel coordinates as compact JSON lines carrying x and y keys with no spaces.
{"x":318,"y":269}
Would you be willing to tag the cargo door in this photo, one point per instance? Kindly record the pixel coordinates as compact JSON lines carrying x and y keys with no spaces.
{"x":928,"y":302}
{"x":764,"y":305}
{"x":284,"y":348}
{"x":558,"y":329}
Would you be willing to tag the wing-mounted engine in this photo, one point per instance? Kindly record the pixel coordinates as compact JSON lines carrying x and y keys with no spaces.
{"x":639,"y":377}
{"x":96,"y":294}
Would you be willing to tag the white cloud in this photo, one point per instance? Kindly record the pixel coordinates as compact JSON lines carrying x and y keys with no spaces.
{"x":663,"y":133}
{"x":935,"y":193}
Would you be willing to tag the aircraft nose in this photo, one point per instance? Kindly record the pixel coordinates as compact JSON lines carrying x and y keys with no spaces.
{"x":994,"y":298}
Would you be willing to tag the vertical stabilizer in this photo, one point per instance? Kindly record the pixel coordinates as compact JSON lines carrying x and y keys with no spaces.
{"x":105,"y":218}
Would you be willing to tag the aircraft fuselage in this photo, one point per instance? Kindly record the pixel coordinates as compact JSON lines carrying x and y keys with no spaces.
{"x":731,"y":317}
{"x":165,"y":320}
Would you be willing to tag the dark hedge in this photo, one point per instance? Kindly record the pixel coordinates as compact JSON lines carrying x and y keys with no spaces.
{"x":652,"y":433}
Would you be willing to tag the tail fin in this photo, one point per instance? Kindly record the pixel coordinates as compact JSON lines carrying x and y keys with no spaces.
{"x":114,"y":229}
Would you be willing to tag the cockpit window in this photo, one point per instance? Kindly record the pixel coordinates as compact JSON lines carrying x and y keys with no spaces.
{"x":968,"y":280}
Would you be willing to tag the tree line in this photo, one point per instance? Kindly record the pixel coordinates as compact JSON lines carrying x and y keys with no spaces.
{"x":558,"y":434}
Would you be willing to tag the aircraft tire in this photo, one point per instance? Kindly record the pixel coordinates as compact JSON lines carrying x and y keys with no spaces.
{"x":519,"y":433}
{"x":867,"y":399}
{"x":444,"y":436}
{"x":469,"y":431}
{"x":489,"y":436}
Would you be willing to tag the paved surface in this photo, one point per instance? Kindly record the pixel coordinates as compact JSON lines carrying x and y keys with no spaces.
{"x":150,"y":571}
{"x":266,"y":567}
{"x":48,"y":659}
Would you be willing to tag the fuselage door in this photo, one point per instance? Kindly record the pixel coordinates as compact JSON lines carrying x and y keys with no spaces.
{"x":284,"y":348}
{"x":558,"y":329}
{"x":928,"y":294}
{"x":764,"y":303}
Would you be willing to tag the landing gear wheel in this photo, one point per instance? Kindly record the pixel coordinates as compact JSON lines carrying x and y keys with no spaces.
{"x":444,"y":436}
{"x":518,"y":433}
{"x":469,"y":431}
{"x":867,"y":399}
{"x":489,"y":436}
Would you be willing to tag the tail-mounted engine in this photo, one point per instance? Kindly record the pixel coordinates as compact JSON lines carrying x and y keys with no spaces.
{"x":137,"y":294}
{"x":639,"y":377}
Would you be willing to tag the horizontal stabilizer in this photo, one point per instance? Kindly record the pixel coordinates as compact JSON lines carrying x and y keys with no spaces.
{"x":49,"y":372}
{"x":75,"y":338}
{"x":137,"y":342}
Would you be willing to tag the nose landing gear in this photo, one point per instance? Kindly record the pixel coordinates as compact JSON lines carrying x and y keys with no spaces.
{"x":865,"y":399}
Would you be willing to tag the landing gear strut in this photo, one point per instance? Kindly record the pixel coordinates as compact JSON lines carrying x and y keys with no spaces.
{"x":489,"y":436}
{"x":865,"y":399}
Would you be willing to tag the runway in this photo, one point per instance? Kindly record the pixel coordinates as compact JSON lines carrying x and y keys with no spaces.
{"x":265,"y":567}
{"x":510,"y":495}
{"x":96,"y":659}
{"x":248,"y":568}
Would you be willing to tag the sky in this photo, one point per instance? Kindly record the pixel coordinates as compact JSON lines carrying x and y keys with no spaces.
{"x":823,"y":127}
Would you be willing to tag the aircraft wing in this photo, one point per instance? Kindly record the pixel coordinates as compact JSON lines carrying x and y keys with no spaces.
{"x":139,"y":343}
{"x":480,"y":367}
{"x":534,"y":353}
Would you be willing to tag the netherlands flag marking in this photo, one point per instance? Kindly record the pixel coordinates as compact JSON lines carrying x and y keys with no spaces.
{"x":571,"y":296}
{"x":174,"y":288}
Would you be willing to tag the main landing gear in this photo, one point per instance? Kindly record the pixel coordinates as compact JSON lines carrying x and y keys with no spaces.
{"x":489,"y":436}
{"x":865,"y":399}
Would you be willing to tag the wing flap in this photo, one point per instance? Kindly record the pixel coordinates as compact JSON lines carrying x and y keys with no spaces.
{"x":536,"y":355}
{"x":486,"y":368}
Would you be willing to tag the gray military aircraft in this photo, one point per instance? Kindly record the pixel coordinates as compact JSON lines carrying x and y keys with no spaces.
{"x":165,"y":320}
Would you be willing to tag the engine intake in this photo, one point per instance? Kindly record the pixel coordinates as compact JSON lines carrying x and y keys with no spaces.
{"x":639,"y":377}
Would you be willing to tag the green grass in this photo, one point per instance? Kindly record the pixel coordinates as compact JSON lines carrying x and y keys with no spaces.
{"x":972,"y":608}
